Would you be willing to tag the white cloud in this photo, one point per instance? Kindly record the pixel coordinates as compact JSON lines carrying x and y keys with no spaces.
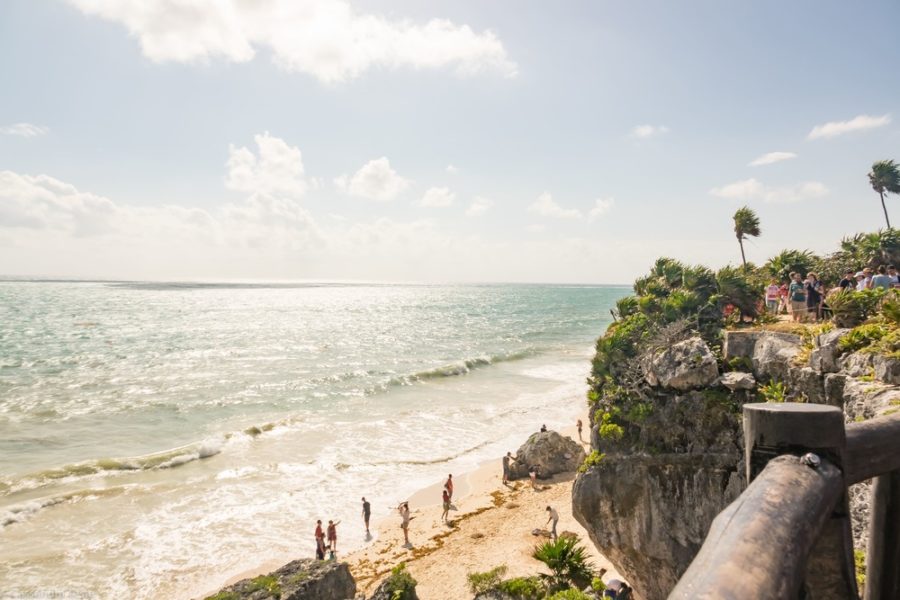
{"x":452,"y":170}
{"x":600,"y":208}
{"x":327,"y":39}
{"x":860,"y":123}
{"x":437,"y":197}
{"x":376,"y":180}
{"x":648,"y":131}
{"x":546,"y":206}
{"x":479,"y":206}
{"x":535,"y":228}
{"x":752,"y":189}
{"x":771,"y":157}
{"x":277,"y":168}
{"x":26,"y":130}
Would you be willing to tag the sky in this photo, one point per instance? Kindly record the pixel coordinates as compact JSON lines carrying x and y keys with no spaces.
{"x":463,"y":141}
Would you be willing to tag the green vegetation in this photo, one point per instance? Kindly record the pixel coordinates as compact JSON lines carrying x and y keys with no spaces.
{"x":224,"y":596}
{"x":597,"y":585}
{"x":400,"y":584}
{"x":567,"y":561}
{"x":265,"y":583}
{"x":885,"y":177}
{"x":859,"y":561}
{"x":569,"y":594}
{"x":774,"y":391}
{"x":486,"y":581}
{"x":608,"y":429}
{"x":862,"y":337}
{"x":524,"y":588}
{"x":746,"y":224}
{"x":591,"y":460}
{"x":850,"y":308}
{"x":740,"y":363}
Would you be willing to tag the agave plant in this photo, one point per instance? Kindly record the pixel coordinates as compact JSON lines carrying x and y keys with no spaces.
{"x":850,"y":308}
{"x":568,"y":563}
{"x":885,"y":177}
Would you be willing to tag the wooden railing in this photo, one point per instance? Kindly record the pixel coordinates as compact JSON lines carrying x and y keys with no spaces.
{"x":788,"y":535}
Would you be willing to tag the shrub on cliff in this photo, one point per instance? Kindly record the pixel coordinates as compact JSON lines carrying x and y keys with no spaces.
{"x":486,"y":581}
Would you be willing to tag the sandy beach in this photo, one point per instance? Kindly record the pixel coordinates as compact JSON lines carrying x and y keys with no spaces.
{"x":490,"y":525}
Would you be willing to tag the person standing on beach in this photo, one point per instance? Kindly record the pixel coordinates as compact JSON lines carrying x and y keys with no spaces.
{"x":445,"y":499}
{"x":403,"y":509}
{"x":332,"y":536}
{"x":449,"y":487}
{"x":506,"y":461}
{"x":554,"y":519}
{"x":579,"y":430}
{"x":532,"y":474}
{"x":320,"y":541}
{"x":366,"y":513}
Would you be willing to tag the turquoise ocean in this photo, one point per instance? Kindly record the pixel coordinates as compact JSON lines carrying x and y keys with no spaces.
{"x":158,"y":439}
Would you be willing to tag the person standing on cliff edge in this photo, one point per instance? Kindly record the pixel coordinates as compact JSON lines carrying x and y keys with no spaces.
{"x":320,"y":541}
{"x":366,"y":513}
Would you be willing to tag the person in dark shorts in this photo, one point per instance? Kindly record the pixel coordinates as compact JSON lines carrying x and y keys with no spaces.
{"x":320,"y":541}
{"x":579,"y":430}
{"x":366,"y":512}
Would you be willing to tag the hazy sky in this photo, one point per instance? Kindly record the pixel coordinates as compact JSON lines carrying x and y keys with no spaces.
{"x":435,"y":141}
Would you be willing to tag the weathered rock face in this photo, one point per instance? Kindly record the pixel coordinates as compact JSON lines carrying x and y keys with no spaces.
{"x":649,"y":503}
{"x":299,"y":580}
{"x":735,"y":380}
{"x":682,"y":366}
{"x":551,"y":452}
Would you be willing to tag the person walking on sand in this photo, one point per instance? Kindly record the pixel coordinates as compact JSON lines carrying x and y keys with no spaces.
{"x":554,"y":519}
{"x":579,"y":430}
{"x":332,"y":535}
{"x":506,"y":462}
{"x":320,"y":541}
{"x":403,"y":509}
{"x":532,"y":474}
{"x":448,"y":485}
{"x":445,"y":499}
{"x":366,"y":513}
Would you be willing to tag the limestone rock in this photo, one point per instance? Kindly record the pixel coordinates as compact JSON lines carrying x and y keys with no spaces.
{"x":735,"y":380}
{"x":824,"y":356}
{"x":773,"y":355}
{"x":809,"y":384}
{"x":383,"y":592}
{"x":856,"y":364}
{"x":305,"y":579}
{"x":740,"y":344}
{"x":551,"y":452}
{"x":682,"y":366}
{"x":887,"y":369}
{"x":650,"y":515}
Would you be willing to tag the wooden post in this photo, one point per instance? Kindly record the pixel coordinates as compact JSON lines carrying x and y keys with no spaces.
{"x":772,"y":429}
{"x":883,"y":553}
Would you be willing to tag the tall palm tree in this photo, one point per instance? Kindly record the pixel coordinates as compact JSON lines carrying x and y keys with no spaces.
{"x":746,"y":224}
{"x":885,"y":177}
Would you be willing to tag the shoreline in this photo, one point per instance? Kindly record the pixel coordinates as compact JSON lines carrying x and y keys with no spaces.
{"x":490,"y":524}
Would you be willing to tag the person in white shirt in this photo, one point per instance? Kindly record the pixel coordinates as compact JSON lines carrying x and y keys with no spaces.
{"x":554,"y":519}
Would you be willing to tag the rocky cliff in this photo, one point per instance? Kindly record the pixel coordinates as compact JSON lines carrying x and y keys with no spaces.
{"x":672,"y":445}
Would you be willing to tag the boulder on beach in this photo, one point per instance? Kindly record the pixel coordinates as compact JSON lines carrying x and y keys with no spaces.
{"x":551,"y":452}
{"x":305,"y":579}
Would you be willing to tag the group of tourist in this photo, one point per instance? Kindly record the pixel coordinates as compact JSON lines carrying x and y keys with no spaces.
{"x":806,"y":299}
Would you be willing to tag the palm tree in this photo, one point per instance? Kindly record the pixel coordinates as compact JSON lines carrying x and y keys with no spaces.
{"x":746,"y":224}
{"x":567,"y":560}
{"x":885,"y":177}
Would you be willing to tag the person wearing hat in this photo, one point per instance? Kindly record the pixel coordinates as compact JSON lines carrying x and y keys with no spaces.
{"x":860,"y":281}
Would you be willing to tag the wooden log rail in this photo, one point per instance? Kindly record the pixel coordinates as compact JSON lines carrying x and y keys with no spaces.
{"x":788,"y":535}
